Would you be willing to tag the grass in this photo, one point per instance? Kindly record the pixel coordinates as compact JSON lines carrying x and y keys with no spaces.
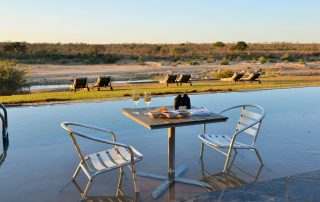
{"x":160,"y":89}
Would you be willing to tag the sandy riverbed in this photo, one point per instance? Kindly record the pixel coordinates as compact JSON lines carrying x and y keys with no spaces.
{"x":61,"y":74}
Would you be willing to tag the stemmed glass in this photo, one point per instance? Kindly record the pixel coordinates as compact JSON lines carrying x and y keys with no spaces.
{"x":147,"y":99}
{"x":136,"y":99}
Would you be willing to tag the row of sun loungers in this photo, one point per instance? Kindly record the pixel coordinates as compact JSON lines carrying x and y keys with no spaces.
{"x":105,"y":81}
{"x":254,"y":76}
{"x":81,"y":83}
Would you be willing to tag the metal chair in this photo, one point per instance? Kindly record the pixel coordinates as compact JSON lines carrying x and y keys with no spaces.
{"x":5,"y":135}
{"x":94,"y":164}
{"x":249,"y":123}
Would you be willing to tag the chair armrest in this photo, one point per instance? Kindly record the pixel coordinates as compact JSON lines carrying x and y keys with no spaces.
{"x":66,"y":125}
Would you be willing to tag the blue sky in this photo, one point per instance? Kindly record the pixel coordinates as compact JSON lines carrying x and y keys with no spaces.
{"x":159,"y":21}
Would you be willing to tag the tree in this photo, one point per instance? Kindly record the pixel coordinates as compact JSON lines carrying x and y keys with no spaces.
{"x":15,"y":48}
{"x":241,"y":45}
{"x":219,"y":44}
{"x":12,"y":79}
{"x":262,"y":60}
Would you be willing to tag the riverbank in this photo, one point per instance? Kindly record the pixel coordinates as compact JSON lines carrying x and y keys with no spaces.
{"x":125,"y":90}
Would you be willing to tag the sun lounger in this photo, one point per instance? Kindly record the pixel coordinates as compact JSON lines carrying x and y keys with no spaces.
{"x":103,"y":81}
{"x":236,"y":77}
{"x":184,"y":78}
{"x":252,"y":77}
{"x":170,"y":78}
{"x":79,"y":83}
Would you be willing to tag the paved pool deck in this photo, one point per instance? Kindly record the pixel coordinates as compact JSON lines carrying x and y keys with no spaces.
{"x":301,"y":187}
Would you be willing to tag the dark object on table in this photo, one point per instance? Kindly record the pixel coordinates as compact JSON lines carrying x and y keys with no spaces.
{"x":79,"y":83}
{"x":182,"y":101}
{"x":103,"y":81}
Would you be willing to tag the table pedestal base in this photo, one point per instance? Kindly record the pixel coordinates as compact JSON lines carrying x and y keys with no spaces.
{"x":167,"y":182}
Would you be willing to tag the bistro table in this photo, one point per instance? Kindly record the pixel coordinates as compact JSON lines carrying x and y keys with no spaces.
{"x":140,"y":115}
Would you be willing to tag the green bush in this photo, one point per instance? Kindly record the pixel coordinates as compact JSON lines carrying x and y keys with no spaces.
{"x":219,"y":44}
{"x":12,"y":79}
{"x":241,"y":45}
{"x":262,"y":60}
{"x":224,"y":61}
{"x":223,"y":74}
{"x":211,"y":60}
{"x":301,"y":62}
{"x":272,"y":60}
{"x":194,"y":62}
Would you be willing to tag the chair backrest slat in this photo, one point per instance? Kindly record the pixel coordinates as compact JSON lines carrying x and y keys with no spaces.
{"x":251,"y":131}
{"x":250,"y":119}
{"x":246,"y":122}
{"x":250,"y":114}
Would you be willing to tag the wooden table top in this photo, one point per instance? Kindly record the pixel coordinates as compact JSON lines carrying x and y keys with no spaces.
{"x":157,"y":123}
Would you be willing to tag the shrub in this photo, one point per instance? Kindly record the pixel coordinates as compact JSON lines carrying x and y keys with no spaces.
{"x":301,"y":62}
{"x":194,"y":62}
{"x":223,"y":74}
{"x":262,"y":60}
{"x":241,"y":45}
{"x":224,"y":61}
{"x":272,"y":60}
{"x":211,"y":60}
{"x":12,"y":79}
{"x":285,"y":57}
{"x":219,"y":44}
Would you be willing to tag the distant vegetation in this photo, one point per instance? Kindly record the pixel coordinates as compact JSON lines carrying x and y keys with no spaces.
{"x":223,"y":74}
{"x":186,"y":52}
{"x":12,"y":79}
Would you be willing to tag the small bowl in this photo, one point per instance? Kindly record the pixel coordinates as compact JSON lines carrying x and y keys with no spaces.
{"x":154,"y":114}
{"x":170,"y":115}
{"x":183,"y":113}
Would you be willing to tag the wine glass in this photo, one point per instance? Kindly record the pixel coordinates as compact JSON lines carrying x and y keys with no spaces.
{"x":147,"y":99}
{"x":136,"y":98}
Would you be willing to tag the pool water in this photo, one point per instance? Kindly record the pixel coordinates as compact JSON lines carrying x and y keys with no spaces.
{"x":41,"y":158}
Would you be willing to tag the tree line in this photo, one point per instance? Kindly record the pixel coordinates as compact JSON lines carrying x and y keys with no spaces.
{"x":60,"y":53}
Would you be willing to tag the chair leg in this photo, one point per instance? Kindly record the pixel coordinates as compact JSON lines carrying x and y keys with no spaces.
{"x":134,"y":176}
{"x":258,"y":155}
{"x":86,"y":190}
{"x":235,"y":151}
{"x":75,"y":174}
{"x":227,"y":159}
{"x":120,"y":182}
{"x":201,"y":150}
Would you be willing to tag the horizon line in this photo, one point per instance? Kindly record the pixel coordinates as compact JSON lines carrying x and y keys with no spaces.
{"x":148,"y":43}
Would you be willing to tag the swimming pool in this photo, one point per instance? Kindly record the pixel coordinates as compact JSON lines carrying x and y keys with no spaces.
{"x":41,"y":158}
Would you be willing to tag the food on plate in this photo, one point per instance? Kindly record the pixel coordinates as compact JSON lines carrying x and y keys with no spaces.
{"x":158,"y":110}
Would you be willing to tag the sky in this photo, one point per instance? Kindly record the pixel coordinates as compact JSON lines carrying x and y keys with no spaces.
{"x":160,"y":21}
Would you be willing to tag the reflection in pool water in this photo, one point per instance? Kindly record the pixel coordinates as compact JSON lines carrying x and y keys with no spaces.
{"x":41,"y":157}
{"x":5,"y":135}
